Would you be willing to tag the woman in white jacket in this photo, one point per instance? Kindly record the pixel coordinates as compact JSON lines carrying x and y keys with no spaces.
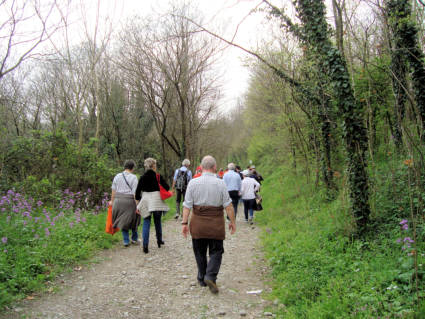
{"x":248,"y":189}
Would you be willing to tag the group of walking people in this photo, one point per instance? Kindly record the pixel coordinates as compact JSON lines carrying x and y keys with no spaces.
{"x":241,"y":185}
{"x":205,"y":197}
{"x":129,"y":206}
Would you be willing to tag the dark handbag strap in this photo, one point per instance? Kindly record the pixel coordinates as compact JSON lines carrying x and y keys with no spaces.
{"x":127,"y":182}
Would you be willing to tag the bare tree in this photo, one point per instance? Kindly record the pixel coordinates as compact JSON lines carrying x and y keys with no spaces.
{"x":170,"y":65}
{"x":26,"y":25}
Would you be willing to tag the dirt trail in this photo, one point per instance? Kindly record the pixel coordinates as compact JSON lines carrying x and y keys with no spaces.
{"x":126,"y":283}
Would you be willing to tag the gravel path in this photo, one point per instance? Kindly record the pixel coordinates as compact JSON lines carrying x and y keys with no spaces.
{"x":126,"y":283}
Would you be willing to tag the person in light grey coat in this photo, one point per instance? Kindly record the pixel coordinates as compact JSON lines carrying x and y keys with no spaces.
{"x":124,"y":215}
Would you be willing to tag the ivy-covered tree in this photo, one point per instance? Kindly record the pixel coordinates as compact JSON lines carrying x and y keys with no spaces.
{"x":407,"y":47}
{"x":315,"y":33}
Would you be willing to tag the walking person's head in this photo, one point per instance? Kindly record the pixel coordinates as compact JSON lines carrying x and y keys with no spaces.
{"x":231,"y":166}
{"x":209,"y":164}
{"x":150,"y":163}
{"x":129,"y":165}
{"x":186,"y":162}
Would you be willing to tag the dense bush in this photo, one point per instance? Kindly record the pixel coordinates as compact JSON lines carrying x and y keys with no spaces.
{"x":46,"y":163}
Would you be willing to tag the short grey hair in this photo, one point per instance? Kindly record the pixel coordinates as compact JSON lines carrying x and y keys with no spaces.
{"x":149,"y":163}
{"x":186,"y":162}
{"x":208,"y":162}
{"x":231,"y":166}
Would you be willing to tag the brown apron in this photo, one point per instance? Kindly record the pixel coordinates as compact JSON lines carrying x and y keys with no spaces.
{"x":207,"y":222}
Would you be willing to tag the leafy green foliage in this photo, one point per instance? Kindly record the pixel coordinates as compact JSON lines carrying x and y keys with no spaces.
{"x":47,"y":162}
{"x":320,"y":272}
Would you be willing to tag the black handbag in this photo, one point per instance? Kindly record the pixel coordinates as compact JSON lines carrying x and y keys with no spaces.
{"x":258,"y":202}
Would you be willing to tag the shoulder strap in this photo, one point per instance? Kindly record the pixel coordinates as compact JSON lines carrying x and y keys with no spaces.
{"x":127,"y":182}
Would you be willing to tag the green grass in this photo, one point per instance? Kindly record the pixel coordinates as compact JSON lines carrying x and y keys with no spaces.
{"x":318,"y":270}
{"x":26,"y":264}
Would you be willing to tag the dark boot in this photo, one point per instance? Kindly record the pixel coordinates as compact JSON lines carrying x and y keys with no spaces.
{"x":160,"y":242}
{"x":145,"y":249}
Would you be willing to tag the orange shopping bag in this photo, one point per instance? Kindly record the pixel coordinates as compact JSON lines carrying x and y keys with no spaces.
{"x":109,"y":228}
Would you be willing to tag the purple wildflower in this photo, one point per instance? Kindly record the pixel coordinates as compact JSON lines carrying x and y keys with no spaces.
{"x":4,"y":240}
{"x":47,"y":231}
{"x":39,"y":203}
{"x":404,"y":221}
{"x":399,"y":240}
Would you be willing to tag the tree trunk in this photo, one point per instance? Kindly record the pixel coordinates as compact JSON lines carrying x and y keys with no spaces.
{"x":313,"y":16}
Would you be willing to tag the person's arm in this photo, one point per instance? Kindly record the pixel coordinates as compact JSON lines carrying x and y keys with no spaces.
{"x":243,"y":187}
{"x":257,"y":186}
{"x":187,"y":206}
{"x":114,"y":187}
{"x":231,"y":214}
{"x":185,"y":221}
{"x":139,"y":190}
{"x":111,"y":202}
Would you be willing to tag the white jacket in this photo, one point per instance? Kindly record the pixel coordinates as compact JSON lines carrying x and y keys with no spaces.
{"x":249,"y":187}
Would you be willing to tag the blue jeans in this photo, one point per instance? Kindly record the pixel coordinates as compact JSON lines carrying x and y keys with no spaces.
{"x":248,"y":205}
{"x":126,"y":235}
{"x":147,"y":225}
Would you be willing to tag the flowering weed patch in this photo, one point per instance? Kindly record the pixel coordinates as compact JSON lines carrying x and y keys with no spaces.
{"x":37,"y":241}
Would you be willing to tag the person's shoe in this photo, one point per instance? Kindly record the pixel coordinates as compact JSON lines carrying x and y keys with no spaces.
{"x":136,"y":242}
{"x":211,"y":284}
{"x":202,"y":283}
{"x":160,"y":242}
{"x":145,"y":249}
{"x":177,"y":216}
{"x":126,"y":244}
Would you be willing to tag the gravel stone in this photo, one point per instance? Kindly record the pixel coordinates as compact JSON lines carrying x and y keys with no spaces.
{"x":126,"y":283}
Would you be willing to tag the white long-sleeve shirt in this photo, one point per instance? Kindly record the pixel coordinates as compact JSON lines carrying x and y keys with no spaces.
{"x":249,"y":187}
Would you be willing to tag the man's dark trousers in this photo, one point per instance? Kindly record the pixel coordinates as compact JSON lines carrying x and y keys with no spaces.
{"x":208,"y":269}
{"x":234,"y":195}
{"x":179,"y":198}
